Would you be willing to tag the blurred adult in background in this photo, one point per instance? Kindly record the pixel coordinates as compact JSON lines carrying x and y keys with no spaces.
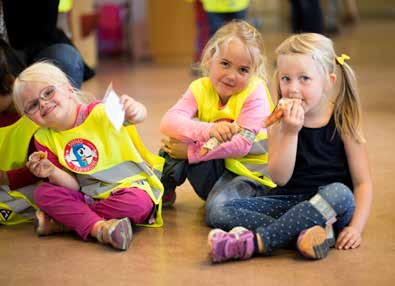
{"x":346,"y":10}
{"x":210,"y":15}
{"x":30,"y":29}
{"x":220,"y":12}
{"x":306,"y":16}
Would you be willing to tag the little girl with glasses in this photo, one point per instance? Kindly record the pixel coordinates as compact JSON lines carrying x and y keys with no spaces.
{"x":98,"y":180}
{"x":318,"y":159}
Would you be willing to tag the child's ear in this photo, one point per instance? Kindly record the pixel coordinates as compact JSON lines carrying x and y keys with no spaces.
{"x":332,"y":78}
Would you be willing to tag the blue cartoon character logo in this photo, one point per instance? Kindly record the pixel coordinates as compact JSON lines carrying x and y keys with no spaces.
{"x":81,"y":155}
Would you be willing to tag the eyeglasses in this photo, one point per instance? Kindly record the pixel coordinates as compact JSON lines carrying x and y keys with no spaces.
{"x":46,"y":94}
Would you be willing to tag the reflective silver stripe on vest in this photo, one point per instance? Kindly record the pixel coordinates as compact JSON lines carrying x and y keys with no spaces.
{"x":103,"y":181}
{"x":4,"y":196}
{"x":96,"y":189}
{"x":260,"y":168}
{"x":114,"y":174}
{"x":156,"y":193}
{"x":158,"y":173}
{"x":259,"y":148}
{"x":18,"y":205}
{"x":28,"y":192}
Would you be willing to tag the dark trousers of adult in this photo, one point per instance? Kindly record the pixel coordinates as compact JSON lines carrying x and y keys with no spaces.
{"x":67,"y":58}
{"x":217,"y":20}
{"x":306,"y":16}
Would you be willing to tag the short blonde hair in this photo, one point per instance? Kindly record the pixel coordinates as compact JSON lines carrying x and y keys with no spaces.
{"x":42,"y":72}
{"x":347,"y":109}
{"x":247,"y":34}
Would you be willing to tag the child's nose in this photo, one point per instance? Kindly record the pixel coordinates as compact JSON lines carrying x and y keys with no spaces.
{"x":294,"y":88}
{"x":232,"y":74}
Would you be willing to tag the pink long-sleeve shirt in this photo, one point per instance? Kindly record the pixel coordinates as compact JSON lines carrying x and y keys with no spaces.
{"x":179,"y":123}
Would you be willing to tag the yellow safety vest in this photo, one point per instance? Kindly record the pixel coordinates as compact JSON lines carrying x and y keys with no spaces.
{"x":254,"y":164}
{"x":65,"y":6}
{"x":225,"y":6}
{"x":16,"y":206}
{"x":105,"y":159}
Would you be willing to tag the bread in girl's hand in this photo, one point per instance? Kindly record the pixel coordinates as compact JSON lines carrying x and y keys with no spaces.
{"x":283,"y":104}
{"x":37,"y":156}
{"x":213,"y":142}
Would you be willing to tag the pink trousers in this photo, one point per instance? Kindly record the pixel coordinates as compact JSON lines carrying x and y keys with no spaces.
{"x":71,"y":209}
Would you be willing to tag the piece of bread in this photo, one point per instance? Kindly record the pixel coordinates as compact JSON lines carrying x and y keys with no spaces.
{"x":283,"y":104}
{"x":37,"y":156}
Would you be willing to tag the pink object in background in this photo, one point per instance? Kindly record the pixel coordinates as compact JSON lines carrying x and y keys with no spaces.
{"x":111,"y":29}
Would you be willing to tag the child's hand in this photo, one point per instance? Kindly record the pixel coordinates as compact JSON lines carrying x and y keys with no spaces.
{"x":293,"y":117}
{"x":39,"y":165}
{"x":224,"y":131}
{"x":175,"y":148}
{"x":135,"y":112}
{"x":349,"y":238}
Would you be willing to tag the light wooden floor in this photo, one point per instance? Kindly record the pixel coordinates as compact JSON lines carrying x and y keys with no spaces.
{"x":177,"y":254}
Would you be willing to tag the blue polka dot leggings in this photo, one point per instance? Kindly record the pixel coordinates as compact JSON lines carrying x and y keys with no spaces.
{"x":279,"y":219}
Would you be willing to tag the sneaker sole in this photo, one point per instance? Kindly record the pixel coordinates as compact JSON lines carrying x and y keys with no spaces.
{"x":313,"y":243}
{"x":124,"y":228}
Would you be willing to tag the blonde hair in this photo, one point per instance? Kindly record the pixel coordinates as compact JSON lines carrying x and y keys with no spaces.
{"x":347,"y":105}
{"x":247,"y":34}
{"x":43,"y":72}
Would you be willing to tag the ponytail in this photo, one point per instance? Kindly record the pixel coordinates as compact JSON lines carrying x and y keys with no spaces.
{"x":347,"y":110}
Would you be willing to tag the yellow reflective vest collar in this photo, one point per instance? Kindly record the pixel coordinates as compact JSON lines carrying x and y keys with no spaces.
{"x":208,"y":99}
{"x":97,"y":157}
{"x":254,"y":164}
{"x":225,"y":6}
{"x":14,"y":143}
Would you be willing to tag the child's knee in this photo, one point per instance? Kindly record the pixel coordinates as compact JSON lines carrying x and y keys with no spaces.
{"x":337,"y":194}
{"x":333,"y":200}
{"x":215,"y":216}
{"x":42,"y":194}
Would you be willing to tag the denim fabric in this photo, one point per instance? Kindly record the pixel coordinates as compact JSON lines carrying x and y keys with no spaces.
{"x":201,"y":176}
{"x":67,"y":58}
{"x":279,"y":219}
{"x":230,"y":187}
{"x":217,"y":20}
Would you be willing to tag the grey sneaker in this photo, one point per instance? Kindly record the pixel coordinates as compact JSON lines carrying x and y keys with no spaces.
{"x":117,"y":232}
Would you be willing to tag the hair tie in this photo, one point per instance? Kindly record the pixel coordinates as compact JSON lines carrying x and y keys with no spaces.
{"x":342,"y":58}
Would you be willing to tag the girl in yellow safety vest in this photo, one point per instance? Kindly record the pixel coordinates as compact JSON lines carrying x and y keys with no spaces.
{"x":99,"y":180}
{"x":16,"y":133}
{"x":228,"y":106}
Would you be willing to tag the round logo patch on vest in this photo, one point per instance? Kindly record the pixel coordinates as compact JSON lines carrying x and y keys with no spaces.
{"x":81,"y":155}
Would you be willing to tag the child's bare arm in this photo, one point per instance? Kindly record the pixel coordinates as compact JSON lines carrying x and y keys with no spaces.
{"x":351,"y":236}
{"x":41,"y":167}
{"x":283,"y":140}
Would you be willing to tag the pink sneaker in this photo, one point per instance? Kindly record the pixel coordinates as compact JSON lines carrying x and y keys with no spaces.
{"x":235,"y":244}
